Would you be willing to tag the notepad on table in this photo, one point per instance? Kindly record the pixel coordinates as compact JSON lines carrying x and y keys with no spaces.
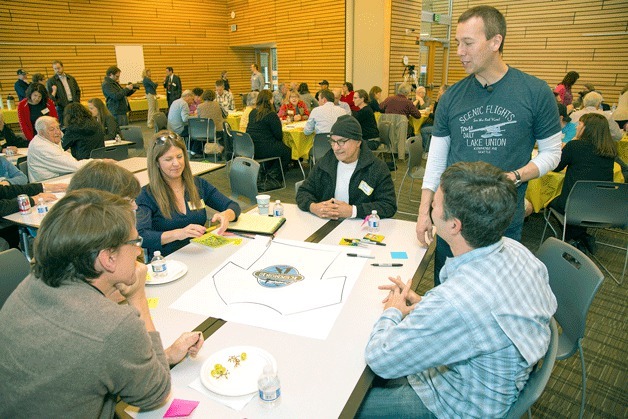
{"x":257,"y":224}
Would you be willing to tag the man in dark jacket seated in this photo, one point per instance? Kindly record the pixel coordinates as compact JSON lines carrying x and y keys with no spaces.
{"x":348,"y":182}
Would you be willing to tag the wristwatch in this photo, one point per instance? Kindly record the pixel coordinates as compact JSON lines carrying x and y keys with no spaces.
{"x":517,"y":178}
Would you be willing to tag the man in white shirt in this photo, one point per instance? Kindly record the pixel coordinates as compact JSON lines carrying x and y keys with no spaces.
{"x":592,"y":102}
{"x":323,"y":117}
{"x":46,"y":158}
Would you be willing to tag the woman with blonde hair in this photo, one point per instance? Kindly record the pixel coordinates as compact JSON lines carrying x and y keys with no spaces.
{"x":104,"y":117}
{"x":590,"y":156}
{"x":172,"y":207}
{"x":293,"y":108}
{"x":151,"y":96}
{"x":251,"y":99}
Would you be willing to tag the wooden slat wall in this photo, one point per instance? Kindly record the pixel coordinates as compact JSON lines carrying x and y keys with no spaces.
{"x":191,"y":36}
{"x":405,"y":14}
{"x":546,"y":39}
{"x":309,"y":36}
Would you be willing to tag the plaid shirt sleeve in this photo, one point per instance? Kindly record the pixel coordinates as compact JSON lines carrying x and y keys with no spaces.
{"x":433,"y":334}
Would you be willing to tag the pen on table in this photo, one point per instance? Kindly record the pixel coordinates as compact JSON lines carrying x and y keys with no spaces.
{"x":355,"y":255}
{"x":367,"y":241}
{"x":387,"y":265}
{"x":246,"y":236}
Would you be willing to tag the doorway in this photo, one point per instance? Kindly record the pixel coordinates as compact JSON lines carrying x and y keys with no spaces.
{"x":266,"y":59}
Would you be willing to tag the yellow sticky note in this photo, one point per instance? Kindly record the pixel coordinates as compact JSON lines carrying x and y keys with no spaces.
{"x":152,"y":302}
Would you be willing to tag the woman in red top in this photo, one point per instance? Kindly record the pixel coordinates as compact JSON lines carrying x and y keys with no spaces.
{"x":295,"y":109}
{"x":36,"y":104}
{"x":564,"y":88}
{"x":347,"y":95}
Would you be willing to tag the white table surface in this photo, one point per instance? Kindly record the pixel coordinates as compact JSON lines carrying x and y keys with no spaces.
{"x":201,"y":260}
{"x":317,"y":376}
{"x":34,"y":220}
{"x":134,"y":164}
{"x":21,"y":152}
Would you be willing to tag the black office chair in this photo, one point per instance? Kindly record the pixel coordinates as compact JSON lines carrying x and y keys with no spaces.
{"x":386,"y":146}
{"x":15,"y":268}
{"x":538,"y":378}
{"x":320,"y":147}
{"x":243,"y":146}
{"x":228,"y":139}
{"x":243,"y":178}
{"x":594,"y":204}
{"x":134,"y":134}
{"x":160,"y":121}
{"x":23,"y":166}
{"x":115,"y":153}
{"x":414,"y":169}
{"x":204,"y":130}
{"x":574,"y":280}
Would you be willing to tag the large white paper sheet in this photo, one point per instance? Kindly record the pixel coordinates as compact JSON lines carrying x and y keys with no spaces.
{"x":284,"y":285}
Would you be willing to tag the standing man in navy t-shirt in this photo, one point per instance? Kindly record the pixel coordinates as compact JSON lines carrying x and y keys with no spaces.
{"x":496,"y":115}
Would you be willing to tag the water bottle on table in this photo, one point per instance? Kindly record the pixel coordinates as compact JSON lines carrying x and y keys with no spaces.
{"x":278,"y":209}
{"x":269,"y":387}
{"x":42,"y":208}
{"x":158,"y":265}
{"x":373,"y":222}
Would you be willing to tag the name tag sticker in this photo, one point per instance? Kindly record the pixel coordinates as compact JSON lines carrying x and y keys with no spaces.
{"x":364,"y":187}
{"x":44,"y":111}
{"x":193,"y":208}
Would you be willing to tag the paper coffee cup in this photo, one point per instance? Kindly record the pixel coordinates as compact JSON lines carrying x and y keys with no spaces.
{"x":263,"y":201}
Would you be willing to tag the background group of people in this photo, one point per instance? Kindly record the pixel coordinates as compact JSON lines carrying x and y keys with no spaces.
{"x":426,"y":349}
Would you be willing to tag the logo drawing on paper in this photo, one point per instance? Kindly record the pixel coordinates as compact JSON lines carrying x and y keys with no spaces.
{"x":278,"y":276}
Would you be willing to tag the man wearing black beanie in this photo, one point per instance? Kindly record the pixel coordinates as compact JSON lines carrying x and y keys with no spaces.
{"x":348,"y":181}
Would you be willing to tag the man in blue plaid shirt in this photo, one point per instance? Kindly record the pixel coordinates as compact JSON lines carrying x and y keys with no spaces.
{"x":466,"y":348}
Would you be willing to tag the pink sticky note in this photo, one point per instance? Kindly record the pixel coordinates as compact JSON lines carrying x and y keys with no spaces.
{"x":180,"y":408}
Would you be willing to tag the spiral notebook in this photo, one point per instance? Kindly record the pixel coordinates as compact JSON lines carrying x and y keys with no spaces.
{"x":257,"y":224}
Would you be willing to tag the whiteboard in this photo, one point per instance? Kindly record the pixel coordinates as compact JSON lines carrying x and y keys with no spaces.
{"x":130,"y":60}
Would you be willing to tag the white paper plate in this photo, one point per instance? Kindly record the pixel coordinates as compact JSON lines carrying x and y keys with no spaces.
{"x":241,"y":379}
{"x":175,"y":271}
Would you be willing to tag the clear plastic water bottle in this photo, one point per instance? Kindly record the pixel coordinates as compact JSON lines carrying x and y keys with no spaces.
{"x":158,"y":265}
{"x":269,"y":387}
{"x":278,"y":209}
{"x":42,"y":208}
{"x":373,"y":222}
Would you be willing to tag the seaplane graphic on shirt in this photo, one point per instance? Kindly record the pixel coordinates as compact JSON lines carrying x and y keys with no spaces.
{"x":492,"y":130}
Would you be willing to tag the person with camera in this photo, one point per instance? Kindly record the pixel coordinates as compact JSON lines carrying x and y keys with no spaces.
{"x":116,"y":95}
